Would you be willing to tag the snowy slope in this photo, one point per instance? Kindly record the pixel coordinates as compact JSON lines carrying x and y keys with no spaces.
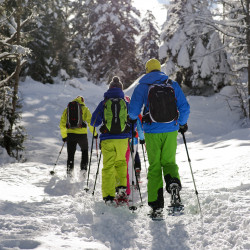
{"x":40,"y":211}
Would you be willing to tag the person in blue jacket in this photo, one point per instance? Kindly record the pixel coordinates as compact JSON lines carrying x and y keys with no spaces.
{"x":160,"y":138}
{"x":114,"y":147}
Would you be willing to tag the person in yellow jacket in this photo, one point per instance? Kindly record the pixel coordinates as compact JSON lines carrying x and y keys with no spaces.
{"x":78,"y":135}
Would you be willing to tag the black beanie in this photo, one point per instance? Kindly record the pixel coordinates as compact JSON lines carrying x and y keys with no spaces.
{"x":116,"y":83}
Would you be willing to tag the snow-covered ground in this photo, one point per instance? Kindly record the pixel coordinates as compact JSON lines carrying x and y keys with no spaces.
{"x":40,"y":211}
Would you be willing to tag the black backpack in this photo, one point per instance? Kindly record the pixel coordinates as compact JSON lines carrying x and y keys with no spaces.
{"x":74,"y":115}
{"x":161,"y":103}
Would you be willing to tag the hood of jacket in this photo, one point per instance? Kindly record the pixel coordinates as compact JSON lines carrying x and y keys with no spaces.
{"x":153,"y":77}
{"x":79,"y":100}
{"x":114,"y":93}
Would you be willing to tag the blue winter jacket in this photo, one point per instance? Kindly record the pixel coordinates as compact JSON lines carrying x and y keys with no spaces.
{"x":140,"y":98}
{"x":98,"y":115}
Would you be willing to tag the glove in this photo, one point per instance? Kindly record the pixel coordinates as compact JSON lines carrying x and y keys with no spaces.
{"x":96,"y":136}
{"x":142,"y":142}
{"x":132,"y":121}
{"x":183,"y":128}
{"x":64,"y":139}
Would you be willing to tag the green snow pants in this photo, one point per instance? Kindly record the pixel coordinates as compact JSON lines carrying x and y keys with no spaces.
{"x":161,"y":149}
{"x":114,"y":171}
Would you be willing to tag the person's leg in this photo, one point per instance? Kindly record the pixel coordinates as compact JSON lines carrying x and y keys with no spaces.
{"x":131,"y":169}
{"x":71,"y":149}
{"x":120,"y":161}
{"x":137,"y":161}
{"x":155,"y":183}
{"x":168,"y":161}
{"x":137,"y":165}
{"x":83,"y":143}
{"x":108,"y":172}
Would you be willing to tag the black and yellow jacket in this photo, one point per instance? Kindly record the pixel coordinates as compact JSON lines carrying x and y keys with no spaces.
{"x":86,"y":117}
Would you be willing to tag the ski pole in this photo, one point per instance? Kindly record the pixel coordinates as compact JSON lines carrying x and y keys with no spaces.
{"x":97,"y":172}
{"x":189,"y":161}
{"x":144,"y":159}
{"x":96,"y":149}
{"x":52,"y":172}
{"x":87,"y":188}
{"x":133,"y":166}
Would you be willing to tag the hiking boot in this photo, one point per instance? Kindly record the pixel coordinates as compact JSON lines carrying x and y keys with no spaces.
{"x":121,"y":192}
{"x":84,"y":166}
{"x":70,"y":168}
{"x":69,"y":173}
{"x":121,"y":198}
{"x":109,"y":200}
{"x":156,"y":213}
{"x":175,"y":195}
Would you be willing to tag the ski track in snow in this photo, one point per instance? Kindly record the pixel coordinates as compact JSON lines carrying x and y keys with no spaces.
{"x":40,"y":211}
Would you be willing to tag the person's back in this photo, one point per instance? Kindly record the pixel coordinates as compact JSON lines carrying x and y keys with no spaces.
{"x":113,"y":146}
{"x":75,"y":132}
{"x":160,"y":137}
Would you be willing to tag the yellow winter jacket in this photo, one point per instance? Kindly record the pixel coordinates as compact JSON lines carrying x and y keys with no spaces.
{"x":86,"y":117}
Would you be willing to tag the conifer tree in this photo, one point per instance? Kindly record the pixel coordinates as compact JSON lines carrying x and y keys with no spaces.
{"x":49,"y":41}
{"x":192,"y":50}
{"x":150,"y":38}
{"x":14,"y":16}
{"x":232,"y":21}
{"x":80,"y":30}
{"x":112,"y":47}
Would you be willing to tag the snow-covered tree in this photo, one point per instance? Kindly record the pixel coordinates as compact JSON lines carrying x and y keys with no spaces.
{"x":192,"y":51}
{"x":79,"y":24}
{"x":112,"y":47}
{"x":150,"y":38}
{"x":50,"y":41}
{"x":232,"y":20}
{"x":14,"y":16}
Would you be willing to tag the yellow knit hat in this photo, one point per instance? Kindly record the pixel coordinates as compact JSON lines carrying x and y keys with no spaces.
{"x":152,"y":64}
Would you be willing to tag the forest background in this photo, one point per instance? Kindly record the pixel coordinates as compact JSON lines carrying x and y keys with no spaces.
{"x":203,"y":45}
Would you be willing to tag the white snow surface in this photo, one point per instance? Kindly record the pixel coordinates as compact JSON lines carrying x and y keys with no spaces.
{"x":40,"y":211}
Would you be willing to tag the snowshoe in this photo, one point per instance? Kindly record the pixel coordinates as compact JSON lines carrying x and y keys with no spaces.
{"x":110,"y":203}
{"x":156,"y":214}
{"x":121,"y":198}
{"x":175,"y":207}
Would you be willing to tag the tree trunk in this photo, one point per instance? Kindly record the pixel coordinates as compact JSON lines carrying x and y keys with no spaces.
{"x":248,"y":51}
{"x":16,"y":81}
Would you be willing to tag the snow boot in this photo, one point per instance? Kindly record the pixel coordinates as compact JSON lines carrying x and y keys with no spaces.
{"x":176,"y":205}
{"x":70,"y":168}
{"x":109,"y":201}
{"x":83,"y":169}
{"x":156,"y":214}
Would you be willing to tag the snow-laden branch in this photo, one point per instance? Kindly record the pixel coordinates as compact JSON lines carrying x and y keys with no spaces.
{"x":16,"y":50}
{"x":210,"y":52}
{"x":223,"y":31}
{"x":12,"y":37}
{"x":6,"y":80}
